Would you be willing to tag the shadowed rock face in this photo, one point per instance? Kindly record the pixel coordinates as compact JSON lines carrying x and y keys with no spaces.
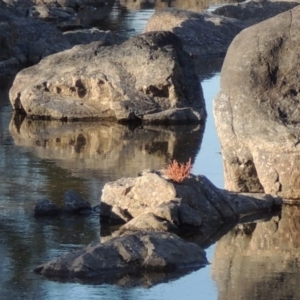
{"x":260,"y":260}
{"x":257,"y":109}
{"x":147,"y":78}
{"x":211,"y":33}
{"x":106,"y":148}
{"x":132,"y":253}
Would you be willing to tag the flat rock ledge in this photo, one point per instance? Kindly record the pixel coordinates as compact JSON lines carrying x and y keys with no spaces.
{"x":154,"y":202}
{"x":148,"y":78}
{"x":135,"y":252}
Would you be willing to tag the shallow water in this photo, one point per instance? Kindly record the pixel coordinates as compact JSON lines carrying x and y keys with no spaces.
{"x":44,"y":159}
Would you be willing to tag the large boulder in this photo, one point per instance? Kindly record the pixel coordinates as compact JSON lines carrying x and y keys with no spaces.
{"x":148,"y":78}
{"x":135,"y":253}
{"x":152,"y":201}
{"x":257,"y":109}
{"x":211,"y":33}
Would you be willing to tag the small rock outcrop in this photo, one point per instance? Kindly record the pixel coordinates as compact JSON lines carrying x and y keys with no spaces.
{"x":132,"y":253}
{"x":154,"y":202}
{"x":257,"y":109}
{"x":148,"y":78}
{"x":207,"y":34}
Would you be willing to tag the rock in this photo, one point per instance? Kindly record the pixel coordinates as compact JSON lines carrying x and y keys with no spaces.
{"x":253,"y":12}
{"x":211,"y":33}
{"x":146,"y":74}
{"x":86,"y":36}
{"x":46,"y":13}
{"x":133,"y":253}
{"x":25,"y":41}
{"x":195,"y":204}
{"x":257,"y":112}
{"x":74,"y":203}
{"x":46,"y":207}
{"x":200,"y":34}
{"x":149,"y":221}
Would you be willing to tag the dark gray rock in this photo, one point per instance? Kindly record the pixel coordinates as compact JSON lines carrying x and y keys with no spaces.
{"x":46,"y":13}
{"x":46,"y":207}
{"x":136,"y":252}
{"x":253,"y":12}
{"x":86,"y":36}
{"x":257,"y":109}
{"x":208,"y":34}
{"x":200,"y":33}
{"x":145,"y":75}
{"x":26,"y":41}
{"x":74,"y":203}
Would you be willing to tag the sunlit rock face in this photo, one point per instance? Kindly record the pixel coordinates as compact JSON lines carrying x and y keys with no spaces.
{"x":107,"y":148}
{"x":257,"y":109}
{"x":260,"y":261}
{"x":148,"y":78}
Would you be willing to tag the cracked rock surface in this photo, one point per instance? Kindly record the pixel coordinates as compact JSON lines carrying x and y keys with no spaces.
{"x":257,"y":110}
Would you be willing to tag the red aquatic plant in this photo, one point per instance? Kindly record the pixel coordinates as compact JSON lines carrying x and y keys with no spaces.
{"x":178,"y":171}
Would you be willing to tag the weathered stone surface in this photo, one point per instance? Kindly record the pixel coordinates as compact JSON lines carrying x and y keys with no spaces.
{"x":150,"y":222}
{"x":211,"y":33}
{"x":46,"y":207}
{"x":253,"y":12}
{"x":257,"y":112}
{"x":200,"y":34}
{"x":147,"y":74}
{"x":74,"y":203}
{"x":25,"y":41}
{"x":46,"y":13}
{"x":136,"y":252}
{"x":86,"y":36}
{"x":196,"y":203}
{"x":262,"y":257}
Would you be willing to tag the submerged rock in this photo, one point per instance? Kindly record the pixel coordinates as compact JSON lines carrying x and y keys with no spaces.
{"x":257,"y":109}
{"x":133,"y":253}
{"x":45,"y":207}
{"x":74,"y":203}
{"x":144,"y":76}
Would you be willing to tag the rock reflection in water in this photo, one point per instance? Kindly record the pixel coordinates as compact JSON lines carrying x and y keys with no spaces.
{"x":110,"y":150}
{"x":260,"y":260}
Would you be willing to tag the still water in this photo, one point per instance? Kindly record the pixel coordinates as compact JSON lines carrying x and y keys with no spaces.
{"x":44,"y":159}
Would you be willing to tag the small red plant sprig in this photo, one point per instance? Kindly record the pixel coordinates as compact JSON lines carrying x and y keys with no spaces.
{"x":178,"y":171}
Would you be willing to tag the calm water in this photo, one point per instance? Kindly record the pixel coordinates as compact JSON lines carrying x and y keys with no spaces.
{"x":44,"y":159}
